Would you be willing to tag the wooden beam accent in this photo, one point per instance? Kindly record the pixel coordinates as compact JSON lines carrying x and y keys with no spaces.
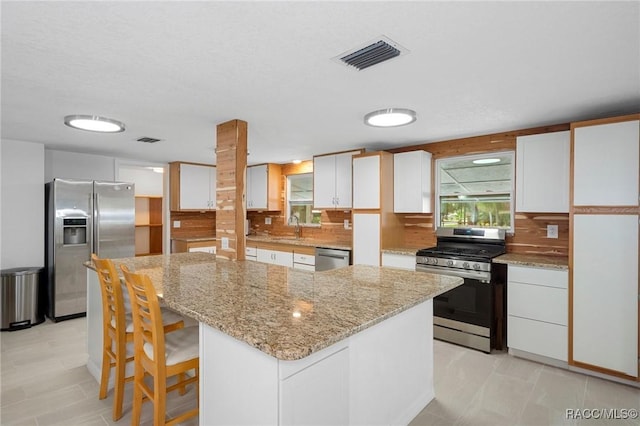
{"x":231,"y":165}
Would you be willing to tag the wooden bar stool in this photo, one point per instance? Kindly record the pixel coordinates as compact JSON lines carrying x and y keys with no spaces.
{"x":117,"y":331}
{"x":157,"y":354}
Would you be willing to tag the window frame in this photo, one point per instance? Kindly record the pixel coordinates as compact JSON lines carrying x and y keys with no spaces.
{"x":288,"y":202}
{"x":471,"y":157}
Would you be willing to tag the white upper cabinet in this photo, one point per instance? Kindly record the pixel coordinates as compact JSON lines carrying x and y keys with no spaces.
{"x":332,"y":181}
{"x":263,"y":187}
{"x":366,"y":182}
{"x":606,"y":164}
{"x":196,"y":187}
{"x":542,"y":173}
{"x":412,"y":182}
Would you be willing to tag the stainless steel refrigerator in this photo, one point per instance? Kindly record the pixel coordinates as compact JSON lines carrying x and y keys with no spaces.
{"x":83,"y":217}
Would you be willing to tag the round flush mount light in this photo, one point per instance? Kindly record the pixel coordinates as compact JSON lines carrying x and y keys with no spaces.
{"x":94,"y":123}
{"x":390,"y":117}
{"x":486,"y":161}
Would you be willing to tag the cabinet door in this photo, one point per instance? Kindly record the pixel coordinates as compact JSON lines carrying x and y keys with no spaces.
{"x":257,"y":182}
{"x":399,"y":261}
{"x":283,"y":258}
{"x":366,"y":182}
{"x":343,"y":180}
{"x":324,"y":182}
{"x":265,"y":256}
{"x":213,"y":183}
{"x":412,"y":182}
{"x":366,"y":239}
{"x":542,"y":173}
{"x":605,"y":291}
{"x":606,"y":164}
{"x":194,"y":187}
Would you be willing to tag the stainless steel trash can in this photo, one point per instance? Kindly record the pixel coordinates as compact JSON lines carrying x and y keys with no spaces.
{"x":21,"y":298}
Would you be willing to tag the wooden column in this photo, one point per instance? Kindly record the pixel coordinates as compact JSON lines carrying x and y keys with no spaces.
{"x":231,"y":164}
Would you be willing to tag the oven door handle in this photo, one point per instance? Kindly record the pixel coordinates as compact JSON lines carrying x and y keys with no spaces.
{"x":482,"y":277}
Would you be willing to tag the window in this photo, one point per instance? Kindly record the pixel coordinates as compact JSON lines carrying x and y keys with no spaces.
{"x":300,"y":199}
{"x":475,"y":190}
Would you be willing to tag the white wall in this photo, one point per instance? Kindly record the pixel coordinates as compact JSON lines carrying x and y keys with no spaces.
{"x":73,"y":165}
{"x":147,"y":181}
{"x":22,"y":204}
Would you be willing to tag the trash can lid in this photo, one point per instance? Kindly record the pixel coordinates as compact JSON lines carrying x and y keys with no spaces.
{"x":21,"y":271}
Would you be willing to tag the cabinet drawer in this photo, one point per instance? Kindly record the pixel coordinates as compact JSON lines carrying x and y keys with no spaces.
{"x":546,"y":277}
{"x":537,"y":337}
{"x":304,"y":267}
{"x":304,"y":258}
{"x":537,"y":302}
{"x":250,"y":251}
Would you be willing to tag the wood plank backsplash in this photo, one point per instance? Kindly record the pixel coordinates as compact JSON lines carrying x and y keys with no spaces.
{"x":530,"y":234}
{"x":194,"y":224}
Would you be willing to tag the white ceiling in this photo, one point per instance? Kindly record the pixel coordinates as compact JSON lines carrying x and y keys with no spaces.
{"x":174,"y":70}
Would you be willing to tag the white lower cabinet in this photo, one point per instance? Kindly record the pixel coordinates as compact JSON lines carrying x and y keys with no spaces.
{"x":366,"y":239}
{"x":208,"y":249}
{"x":275,"y":257}
{"x":306,"y":262}
{"x":537,"y":308}
{"x":402,"y":261}
{"x":250,"y":253}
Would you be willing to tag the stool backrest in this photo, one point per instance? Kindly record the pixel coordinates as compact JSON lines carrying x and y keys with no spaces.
{"x":147,"y":319}
{"x":113,"y":309}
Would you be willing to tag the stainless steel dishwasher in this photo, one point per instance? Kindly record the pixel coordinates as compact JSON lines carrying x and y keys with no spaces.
{"x":327,"y":258}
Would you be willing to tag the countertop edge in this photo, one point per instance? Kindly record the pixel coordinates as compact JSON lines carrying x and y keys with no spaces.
{"x":534,"y":260}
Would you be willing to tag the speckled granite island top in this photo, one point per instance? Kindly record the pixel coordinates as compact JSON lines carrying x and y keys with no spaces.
{"x":284,"y":312}
{"x":534,"y":260}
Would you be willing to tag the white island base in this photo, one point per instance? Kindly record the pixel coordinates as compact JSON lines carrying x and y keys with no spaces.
{"x":382,"y":375}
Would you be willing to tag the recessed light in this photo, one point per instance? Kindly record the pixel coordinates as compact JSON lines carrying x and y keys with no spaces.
{"x":297,"y":161}
{"x":486,"y":161}
{"x":157,"y":169}
{"x":390,"y":117}
{"x":94,"y":123}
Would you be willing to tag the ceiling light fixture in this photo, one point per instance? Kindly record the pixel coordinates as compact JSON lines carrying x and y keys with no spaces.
{"x":486,"y":161}
{"x":297,"y":161}
{"x":94,"y":123}
{"x":390,"y":117}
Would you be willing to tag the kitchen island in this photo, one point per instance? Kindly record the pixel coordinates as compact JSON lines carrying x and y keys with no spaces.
{"x":284,"y":346}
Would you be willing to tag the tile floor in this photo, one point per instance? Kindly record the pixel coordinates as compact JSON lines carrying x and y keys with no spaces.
{"x":44,"y":381}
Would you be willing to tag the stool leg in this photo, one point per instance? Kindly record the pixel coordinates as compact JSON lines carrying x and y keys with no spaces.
{"x":159,"y":400}
{"x":137,"y":396}
{"x":106,"y":366}
{"x":181,"y":378}
{"x":121,"y":363}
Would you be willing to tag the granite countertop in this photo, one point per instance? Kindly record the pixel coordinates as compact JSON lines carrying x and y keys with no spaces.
{"x":194,"y":239}
{"x":284,"y":312}
{"x":305,"y":242}
{"x":535,"y":260}
{"x":400,"y":250}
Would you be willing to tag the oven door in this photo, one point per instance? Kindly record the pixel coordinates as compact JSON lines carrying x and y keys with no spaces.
{"x":469,"y":303}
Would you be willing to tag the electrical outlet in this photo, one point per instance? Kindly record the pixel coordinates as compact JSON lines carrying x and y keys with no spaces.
{"x":225,"y":243}
{"x":552,"y":231}
{"x":346,"y":224}
{"x":267,"y":221}
{"x":176,"y":224}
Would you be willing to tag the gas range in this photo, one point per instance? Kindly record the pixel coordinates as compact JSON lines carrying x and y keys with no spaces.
{"x":471,"y":314}
{"x":465,"y":252}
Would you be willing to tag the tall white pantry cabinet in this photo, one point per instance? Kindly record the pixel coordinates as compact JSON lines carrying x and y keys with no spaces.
{"x":605,"y":174}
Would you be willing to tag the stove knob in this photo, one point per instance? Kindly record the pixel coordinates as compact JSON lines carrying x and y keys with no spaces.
{"x":465,"y":265}
{"x":449,"y":262}
{"x":434,"y":260}
{"x":476,"y":266}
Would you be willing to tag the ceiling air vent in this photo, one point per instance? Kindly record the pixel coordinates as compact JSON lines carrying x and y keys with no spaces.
{"x":372,"y":53}
{"x":148,"y":140}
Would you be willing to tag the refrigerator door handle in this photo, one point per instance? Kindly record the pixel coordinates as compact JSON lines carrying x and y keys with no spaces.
{"x":96,"y":224}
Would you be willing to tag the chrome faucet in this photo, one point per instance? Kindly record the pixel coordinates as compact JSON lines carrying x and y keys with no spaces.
{"x":297,"y":224}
